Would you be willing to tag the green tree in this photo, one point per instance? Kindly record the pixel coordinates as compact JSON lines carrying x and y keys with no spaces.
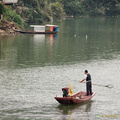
{"x":102,"y":7}
{"x":13,"y":16}
{"x":46,"y":10}
{"x":113,"y":8}
{"x":57,"y":10}
{"x":2,"y":9}
{"x":73,"y":7}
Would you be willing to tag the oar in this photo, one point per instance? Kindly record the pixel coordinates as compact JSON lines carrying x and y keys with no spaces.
{"x":109,"y":85}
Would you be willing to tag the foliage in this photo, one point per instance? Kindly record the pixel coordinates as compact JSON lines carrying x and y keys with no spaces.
{"x":13,"y":16}
{"x":57,"y":10}
{"x":73,"y":7}
{"x":29,"y":15}
{"x":41,"y":10}
{"x":35,"y":16}
{"x":102,"y":7}
{"x":10,"y":15}
{"x":2,"y":9}
{"x":37,"y":11}
{"x":114,"y":8}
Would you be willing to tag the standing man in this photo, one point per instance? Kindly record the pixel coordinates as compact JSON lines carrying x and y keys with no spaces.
{"x":88,"y":83}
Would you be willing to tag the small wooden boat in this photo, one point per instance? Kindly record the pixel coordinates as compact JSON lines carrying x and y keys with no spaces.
{"x":77,"y":98}
{"x":40,"y":29}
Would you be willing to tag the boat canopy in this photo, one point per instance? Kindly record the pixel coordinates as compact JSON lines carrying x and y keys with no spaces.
{"x":38,"y":28}
{"x":41,"y":28}
{"x":51,"y":25}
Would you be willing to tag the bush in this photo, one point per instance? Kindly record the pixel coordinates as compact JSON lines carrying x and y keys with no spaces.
{"x":73,"y":7}
{"x":57,"y":10}
{"x":13,"y":16}
{"x":34,"y":16}
{"x":2,"y":9}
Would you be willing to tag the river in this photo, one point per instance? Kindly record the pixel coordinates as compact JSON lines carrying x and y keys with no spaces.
{"x":34,"y":69}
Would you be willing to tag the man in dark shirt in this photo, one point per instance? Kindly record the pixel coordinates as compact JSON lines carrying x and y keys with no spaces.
{"x":88,"y":83}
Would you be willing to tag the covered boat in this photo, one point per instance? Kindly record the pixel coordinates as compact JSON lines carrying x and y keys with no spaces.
{"x":76,"y":98}
{"x":40,"y":29}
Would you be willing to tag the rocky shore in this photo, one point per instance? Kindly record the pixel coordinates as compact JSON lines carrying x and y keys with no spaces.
{"x":7,"y":28}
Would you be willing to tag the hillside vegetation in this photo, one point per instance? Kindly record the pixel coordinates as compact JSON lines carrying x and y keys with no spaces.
{"x":46,"y":10}
{"x":37,"y":11}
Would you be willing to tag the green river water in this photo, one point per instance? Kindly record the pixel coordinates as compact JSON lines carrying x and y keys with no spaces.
{"x":34,"y":69}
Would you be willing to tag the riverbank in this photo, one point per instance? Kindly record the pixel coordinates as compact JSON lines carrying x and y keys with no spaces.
{"x":7,"y":28}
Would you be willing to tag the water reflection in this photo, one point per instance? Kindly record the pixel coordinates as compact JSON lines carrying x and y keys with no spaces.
{"x":26,"y":50}
{"x":7,"y":50}
{"x":40,"y":38}
{"x":70,"y":109}
{"x":5,"y":42}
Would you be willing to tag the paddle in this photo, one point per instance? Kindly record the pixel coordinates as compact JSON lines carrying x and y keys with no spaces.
{"x":109,"y":85}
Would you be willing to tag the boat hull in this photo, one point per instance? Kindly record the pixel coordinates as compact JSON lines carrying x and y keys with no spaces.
{"x":34,"y":32}
{"x":75,"y":99}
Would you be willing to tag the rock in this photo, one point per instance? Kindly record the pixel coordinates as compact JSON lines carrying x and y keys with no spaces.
{"x":2,"y":31}
{"x":7,"y":27}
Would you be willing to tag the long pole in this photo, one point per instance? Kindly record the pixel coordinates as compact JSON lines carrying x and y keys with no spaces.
{"x":109,"y":85}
